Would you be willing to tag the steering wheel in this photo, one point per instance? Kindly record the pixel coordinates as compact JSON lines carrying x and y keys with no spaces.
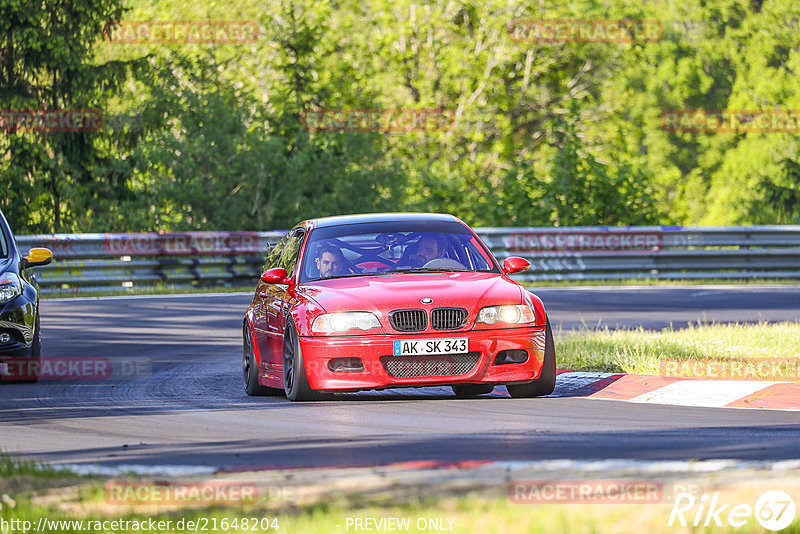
{"x":444,"y":263}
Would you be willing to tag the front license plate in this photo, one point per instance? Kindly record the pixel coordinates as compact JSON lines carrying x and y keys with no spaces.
{"x":422,"y":347}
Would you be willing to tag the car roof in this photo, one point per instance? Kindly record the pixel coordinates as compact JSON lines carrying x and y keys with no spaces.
{"x":340,"y":220}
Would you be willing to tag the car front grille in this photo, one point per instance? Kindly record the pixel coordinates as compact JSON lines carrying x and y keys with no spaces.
{"x":417,"y":366}
{"x":408,"y":320}
{"x":448,"y":318}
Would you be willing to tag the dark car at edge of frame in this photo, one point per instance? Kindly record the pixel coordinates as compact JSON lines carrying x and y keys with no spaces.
{"x":20,"y":331}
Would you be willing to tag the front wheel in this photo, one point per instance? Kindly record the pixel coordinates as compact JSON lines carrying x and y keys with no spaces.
{"x":546,"y":383}
{"x":295,"y":381}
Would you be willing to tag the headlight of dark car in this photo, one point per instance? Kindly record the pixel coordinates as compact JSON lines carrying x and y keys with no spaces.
{"x":10,"y":287}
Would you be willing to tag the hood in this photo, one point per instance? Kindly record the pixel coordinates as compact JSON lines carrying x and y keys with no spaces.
{"x":381,"y":294}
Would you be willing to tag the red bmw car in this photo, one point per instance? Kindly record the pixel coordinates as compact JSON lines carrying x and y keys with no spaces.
{"x":379,"y":301}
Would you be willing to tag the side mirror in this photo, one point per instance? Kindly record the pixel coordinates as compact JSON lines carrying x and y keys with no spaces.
{"x":515,"y":264}
{"x":275,"y":276}
{"x":38,"y":256}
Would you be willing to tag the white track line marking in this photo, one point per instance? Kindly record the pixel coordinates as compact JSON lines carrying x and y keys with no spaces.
{"x":705,"y":393}
{"x":583,"y":466}
{"x":661,"y":466}
{"x":123,"y":469}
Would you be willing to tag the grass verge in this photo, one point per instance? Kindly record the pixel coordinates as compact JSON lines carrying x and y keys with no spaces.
{"x":81,"y":509}
{"x":11,"y":466}
{"x":641,"y":351}
{"x":50,"y":504}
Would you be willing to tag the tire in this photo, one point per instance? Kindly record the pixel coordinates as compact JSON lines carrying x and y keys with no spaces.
{"x":250,"y":369}
{"x":465,"y":391}
{"x":36,"y":346}
{"x":36,"y":351}
{"x":295,"y":381}
{"x":546,"y":383}
{"x":33,"y":356}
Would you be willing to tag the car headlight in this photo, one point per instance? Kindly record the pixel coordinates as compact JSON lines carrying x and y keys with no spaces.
{"x":332,"y":323}
{"x":10,"y":287}
{"x":509,"y":313}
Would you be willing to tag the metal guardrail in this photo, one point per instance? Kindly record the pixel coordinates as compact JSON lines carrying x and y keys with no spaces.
{"x":90,"y":262}
{"x":103,"y":261}
{"x":651,"y":252}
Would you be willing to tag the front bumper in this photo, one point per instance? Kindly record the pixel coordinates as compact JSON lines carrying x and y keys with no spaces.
{"x":319,"y":351}
{"x":17,"y":320}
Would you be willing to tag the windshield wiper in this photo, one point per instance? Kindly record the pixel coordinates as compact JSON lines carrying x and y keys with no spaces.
{"x":344,"y":276}
{"x":396,"y":271}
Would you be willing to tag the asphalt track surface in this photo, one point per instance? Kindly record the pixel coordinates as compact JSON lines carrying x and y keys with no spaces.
{"x":189,"y":407}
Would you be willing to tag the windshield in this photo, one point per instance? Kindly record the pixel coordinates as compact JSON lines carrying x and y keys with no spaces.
{"x":393,"y":247}
{"x":3,"y":246}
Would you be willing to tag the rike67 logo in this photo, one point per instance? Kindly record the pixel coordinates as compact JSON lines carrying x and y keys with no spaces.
{"x":774,"y":510}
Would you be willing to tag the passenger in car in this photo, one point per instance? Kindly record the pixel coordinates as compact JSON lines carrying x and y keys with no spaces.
{"x":330,"y":261}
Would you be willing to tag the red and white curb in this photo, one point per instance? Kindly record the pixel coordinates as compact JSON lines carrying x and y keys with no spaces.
{"x":680,"y":391}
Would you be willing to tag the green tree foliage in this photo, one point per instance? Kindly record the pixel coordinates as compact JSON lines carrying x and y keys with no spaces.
{"x":545,"y":133}
{"x":46,"y":62}
{"x":577,"y":189}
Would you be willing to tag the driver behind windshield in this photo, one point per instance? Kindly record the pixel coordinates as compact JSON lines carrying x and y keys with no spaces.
{"x":330,"y":261}
{"x":429,"y":247}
